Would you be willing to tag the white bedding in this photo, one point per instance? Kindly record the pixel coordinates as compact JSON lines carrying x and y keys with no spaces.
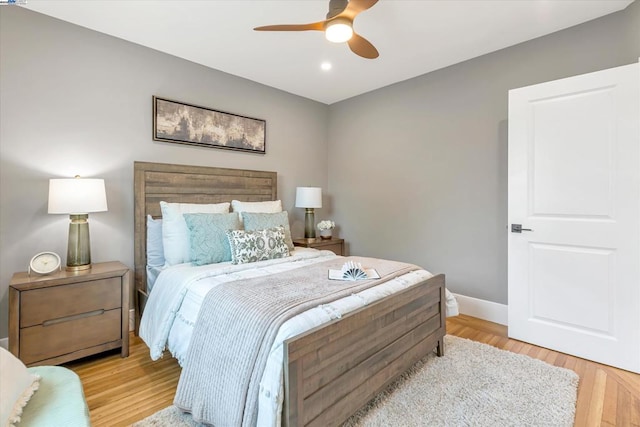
{"x":173,"y":306}
{"x":152,"y":275}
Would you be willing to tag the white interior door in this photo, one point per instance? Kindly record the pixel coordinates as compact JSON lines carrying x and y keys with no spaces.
{"x":574,"y":180}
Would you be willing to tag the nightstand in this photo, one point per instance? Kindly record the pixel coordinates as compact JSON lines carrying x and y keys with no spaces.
{"x":68,"y":315}
{"x":333,"y":244}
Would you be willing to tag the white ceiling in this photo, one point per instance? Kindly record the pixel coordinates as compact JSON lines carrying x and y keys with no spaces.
{"x":413,"y":37}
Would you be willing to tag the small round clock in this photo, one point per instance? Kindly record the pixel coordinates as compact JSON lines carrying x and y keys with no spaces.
{"x":44,"y":263}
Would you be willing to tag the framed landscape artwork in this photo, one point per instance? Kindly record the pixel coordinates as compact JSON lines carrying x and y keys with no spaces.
{"x":190,"y":124}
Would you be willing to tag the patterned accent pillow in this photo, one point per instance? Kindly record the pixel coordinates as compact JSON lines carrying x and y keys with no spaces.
{"x":260,"y":221}
{"x":208,"y":236}
{"x":257,"y":245}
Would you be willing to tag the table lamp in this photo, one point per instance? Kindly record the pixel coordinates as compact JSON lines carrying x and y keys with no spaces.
{"x":77,"y":197}
{"x":309,"y":198}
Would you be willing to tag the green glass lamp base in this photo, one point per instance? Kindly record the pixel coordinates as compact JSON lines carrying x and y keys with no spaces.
{"x":79,"y":245}
{"x":309,"y":227}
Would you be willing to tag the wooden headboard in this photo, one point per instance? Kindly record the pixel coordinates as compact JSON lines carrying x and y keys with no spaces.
{"x":155,"y":182}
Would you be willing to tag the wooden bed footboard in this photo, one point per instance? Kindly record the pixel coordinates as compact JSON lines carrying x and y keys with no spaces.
{"x":334,"y":370}
{"x":331,"y":371}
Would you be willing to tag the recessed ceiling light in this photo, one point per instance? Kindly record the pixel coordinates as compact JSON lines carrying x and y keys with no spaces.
{"x":326,"y":66}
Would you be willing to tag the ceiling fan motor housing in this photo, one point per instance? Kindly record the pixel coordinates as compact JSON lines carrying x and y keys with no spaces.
{"x":336,"y":7}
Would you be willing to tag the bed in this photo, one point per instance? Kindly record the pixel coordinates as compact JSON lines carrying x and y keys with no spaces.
{"x":333,"y":369}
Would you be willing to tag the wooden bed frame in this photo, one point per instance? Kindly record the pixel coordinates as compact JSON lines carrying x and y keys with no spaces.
{"x":156,"y":182}
{"x":330,"y":371}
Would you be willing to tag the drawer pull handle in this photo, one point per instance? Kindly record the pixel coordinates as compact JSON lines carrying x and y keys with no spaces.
{"x":74,"y":317}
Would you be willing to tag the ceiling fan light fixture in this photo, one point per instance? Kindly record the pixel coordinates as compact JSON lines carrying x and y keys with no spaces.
{"x":338,"y":27}
{"x":339,"y":30}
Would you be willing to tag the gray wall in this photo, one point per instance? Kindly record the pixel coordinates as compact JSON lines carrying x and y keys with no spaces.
{"x":415,"y":171}
{"x":74,"y":101}
{"x":418,"y":170}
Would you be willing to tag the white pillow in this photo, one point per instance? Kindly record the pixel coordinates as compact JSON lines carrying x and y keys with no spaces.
{"x":257,"y":207}
{"x":175,"y":234}
{"x":155,"y":250}
{"x":16,"y":388}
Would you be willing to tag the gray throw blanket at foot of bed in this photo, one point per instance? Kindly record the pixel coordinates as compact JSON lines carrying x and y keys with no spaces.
{"x":237,"y":325}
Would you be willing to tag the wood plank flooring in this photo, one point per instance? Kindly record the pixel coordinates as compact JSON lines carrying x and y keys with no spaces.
{"x":120,"y":391}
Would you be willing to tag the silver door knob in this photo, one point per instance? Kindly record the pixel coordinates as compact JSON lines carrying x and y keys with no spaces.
{"x":517,"y":228}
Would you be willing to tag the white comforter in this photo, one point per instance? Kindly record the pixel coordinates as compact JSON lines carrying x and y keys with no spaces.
{"x":173,"y":306}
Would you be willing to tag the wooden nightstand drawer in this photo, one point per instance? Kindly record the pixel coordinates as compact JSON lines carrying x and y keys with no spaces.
{"x":68,"y":335}
{"x":41,"y":305}
{"x":336,"y":248}
{"x":67,"y":315}
{"x":334,"y":245}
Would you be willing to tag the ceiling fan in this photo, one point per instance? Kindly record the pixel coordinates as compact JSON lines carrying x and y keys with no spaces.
{"x":338,"y":27}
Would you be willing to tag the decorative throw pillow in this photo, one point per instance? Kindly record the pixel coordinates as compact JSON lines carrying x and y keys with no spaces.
{"x":155,"y":251}
{"x":208,"y":236}
{"x":16,"y":388}
{"x":263,"y":207}
{"x":175,"y":234}
{"x":257,"y":245}
{"x":260,"y":221}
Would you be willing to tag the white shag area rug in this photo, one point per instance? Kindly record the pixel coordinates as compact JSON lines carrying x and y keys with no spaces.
{"x":474,"y":384}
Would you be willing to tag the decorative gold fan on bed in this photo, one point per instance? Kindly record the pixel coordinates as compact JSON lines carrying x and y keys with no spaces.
{"x":338,"y":27}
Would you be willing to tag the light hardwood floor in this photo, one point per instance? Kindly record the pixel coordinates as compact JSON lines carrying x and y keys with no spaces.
{"x":122,"y":391}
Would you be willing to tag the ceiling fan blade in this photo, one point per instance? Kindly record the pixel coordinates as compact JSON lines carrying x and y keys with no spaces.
{"x":354,"y":7}
{"x":362,"y":47}
{"x":317,"y":26}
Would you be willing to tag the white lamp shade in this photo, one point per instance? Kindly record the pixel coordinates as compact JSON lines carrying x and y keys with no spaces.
{"x":308,"y":197}
{"x":77,"y":196}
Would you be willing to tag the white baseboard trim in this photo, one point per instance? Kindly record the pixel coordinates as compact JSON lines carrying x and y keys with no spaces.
{"x":482,"y":309}
{"x":4,"y":343}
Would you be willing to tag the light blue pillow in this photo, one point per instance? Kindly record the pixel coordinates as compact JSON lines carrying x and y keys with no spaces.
{"x":155,"y":249}
{"x":257,"y":245}
{"x":175,"y":233}
{"x":208,"y":236}
{"x":260,"y":221}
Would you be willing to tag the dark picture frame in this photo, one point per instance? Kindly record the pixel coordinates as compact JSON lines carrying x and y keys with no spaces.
{"x":189,"y":124}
